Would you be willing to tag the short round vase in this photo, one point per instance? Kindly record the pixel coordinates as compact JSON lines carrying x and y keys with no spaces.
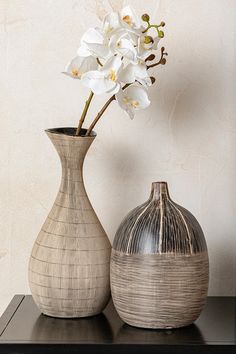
{"x":70,"y":261}
{"x":159,"y":264}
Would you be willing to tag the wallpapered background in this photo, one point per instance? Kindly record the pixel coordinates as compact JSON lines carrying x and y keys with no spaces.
{"x":187,"y":137}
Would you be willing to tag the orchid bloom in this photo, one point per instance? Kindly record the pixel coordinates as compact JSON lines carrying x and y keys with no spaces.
{"x":80,"y":65}
{"x":133,"y":99}
{"x":104,"y":80}
{"x":146,"y":44}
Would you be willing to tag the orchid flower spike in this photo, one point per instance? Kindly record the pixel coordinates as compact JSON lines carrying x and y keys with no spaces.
{"x":115,"y":59}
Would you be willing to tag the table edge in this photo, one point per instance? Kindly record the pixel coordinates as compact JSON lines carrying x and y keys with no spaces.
{"x":11,"y":309}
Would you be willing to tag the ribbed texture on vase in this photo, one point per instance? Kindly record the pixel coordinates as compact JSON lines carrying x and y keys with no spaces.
{"x":69,"y":264}
{"x":160,"y":226}
{"x":159,"y":264}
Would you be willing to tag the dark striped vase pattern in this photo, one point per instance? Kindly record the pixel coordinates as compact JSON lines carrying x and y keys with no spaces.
{"x":69,"y":264}
{"x":159,"y":264}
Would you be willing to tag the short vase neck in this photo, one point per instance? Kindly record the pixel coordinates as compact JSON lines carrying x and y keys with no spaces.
{"x":159,"y":190}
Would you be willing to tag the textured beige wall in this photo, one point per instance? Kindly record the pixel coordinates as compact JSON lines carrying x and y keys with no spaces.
{"x":187,"y":136}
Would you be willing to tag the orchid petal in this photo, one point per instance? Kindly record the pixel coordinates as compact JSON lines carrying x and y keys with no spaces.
{"x":92,"y":35}
{"x":113,"y":63}
{"x":98,"y":50}
{"x":83,"y":51}
{"x":93,"y":42}
{"x":145,"y":82}
{"x":122,"y":44}
{"x":129,"y":18}
{"x":80,"y":65}
{"x":111,"y":23}
{"x":135,"y":72}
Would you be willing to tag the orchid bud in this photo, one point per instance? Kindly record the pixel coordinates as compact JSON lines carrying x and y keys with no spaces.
{"x":163,"y":61}
{"x":160,"y":34}
{"x":152,"y":79}
{"x":162,"y":24}
{"x":145,"y":17}
{"x":150,"y":57}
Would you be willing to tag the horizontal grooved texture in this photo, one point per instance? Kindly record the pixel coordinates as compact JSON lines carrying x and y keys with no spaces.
{"x":159,"y":290}
{"x":69,"y":264}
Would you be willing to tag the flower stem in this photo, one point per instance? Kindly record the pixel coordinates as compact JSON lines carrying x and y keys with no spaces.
{"x":162,"y":60}
{"x":160,"y":33}
{"x":82,"y":118}
{"x":100,"y":113}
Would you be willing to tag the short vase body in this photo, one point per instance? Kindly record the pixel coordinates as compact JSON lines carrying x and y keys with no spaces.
{"x":69,"y":263}
{"x":159,"y":264}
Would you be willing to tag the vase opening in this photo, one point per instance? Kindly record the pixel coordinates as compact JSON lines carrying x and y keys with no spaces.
{"x":159,"y":189}
{"x":70,"y":131}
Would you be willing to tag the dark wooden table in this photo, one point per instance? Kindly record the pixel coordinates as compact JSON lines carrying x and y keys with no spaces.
{"x":24,"y":330}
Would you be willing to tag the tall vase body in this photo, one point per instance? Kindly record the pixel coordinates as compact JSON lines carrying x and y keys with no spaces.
{"x":159,"y":264}
{"x":69,"y":263}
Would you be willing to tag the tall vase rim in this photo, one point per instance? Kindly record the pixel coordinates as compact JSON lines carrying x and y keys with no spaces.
{"x":69,"y":132}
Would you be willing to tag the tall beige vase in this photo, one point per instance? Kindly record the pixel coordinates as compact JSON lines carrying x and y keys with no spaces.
{"x":69,"y":263}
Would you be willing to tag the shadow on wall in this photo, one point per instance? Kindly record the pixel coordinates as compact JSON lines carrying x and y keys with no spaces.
{"x":185,"y":88}
{"x":125,"y":164}
{"x":223,"y":265}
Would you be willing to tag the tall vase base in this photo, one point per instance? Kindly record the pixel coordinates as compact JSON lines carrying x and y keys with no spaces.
{"x":74,"y":315}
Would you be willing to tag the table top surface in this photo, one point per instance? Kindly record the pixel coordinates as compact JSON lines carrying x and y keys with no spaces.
{"x":23,"y":323}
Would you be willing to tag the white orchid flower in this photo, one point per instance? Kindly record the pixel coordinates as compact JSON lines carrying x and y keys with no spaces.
{"x":80,"y":65}
{"x":129,"y":19}
{"x":94,"y":43}
{"x":133,"y":99}
{"x":122,"y":44}
{"x":104,"y":80}
{"x":145,"y":46}
{"x":136,"y":72}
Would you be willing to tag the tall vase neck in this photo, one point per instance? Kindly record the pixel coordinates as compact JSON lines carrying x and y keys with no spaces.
{"x":70,"y":148}
{"x":72,"y":151}
{"x":159,"y":191}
